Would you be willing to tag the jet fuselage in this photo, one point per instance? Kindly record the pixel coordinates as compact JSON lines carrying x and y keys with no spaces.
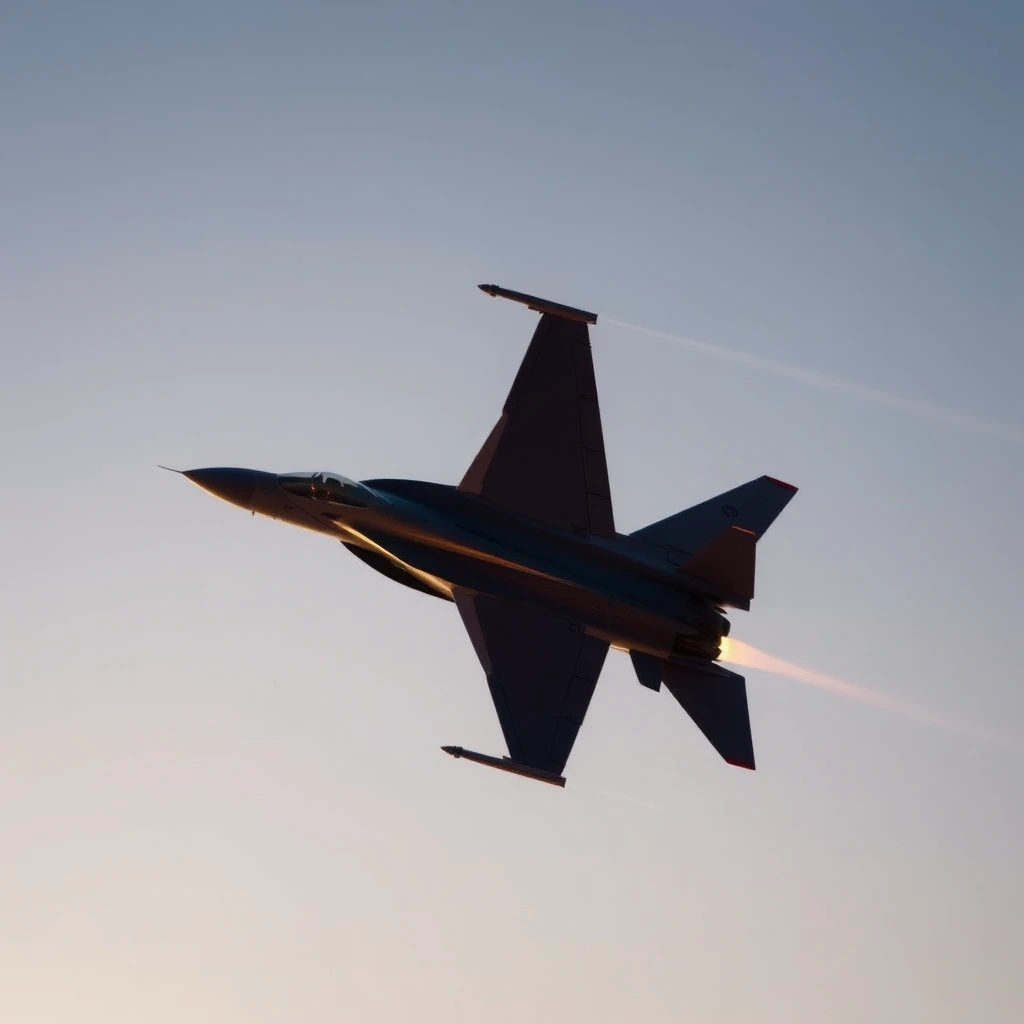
{"x":435,"y":538}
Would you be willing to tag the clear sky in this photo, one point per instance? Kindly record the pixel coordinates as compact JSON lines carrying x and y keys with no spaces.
{"x":250,"y":234}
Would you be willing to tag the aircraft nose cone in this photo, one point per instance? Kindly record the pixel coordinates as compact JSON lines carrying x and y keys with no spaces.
{"x":228,"y":483}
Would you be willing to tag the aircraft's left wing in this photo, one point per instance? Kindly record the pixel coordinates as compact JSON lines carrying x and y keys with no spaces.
{"x":541,"y":670}
{"x":545,"y":456}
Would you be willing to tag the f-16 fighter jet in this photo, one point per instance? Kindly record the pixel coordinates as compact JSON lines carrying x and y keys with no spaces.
{"x":526,"y":548}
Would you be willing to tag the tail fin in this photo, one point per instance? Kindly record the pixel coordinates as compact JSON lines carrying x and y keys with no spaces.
{"x":716,"y":700}
{"x":753,"y":506}
{"x":727,"y":564}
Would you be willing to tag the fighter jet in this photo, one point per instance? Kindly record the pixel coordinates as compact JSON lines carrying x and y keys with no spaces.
{"x":526,"y":548}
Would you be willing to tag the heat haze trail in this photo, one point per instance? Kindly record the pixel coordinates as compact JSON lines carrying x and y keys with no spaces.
{"x":918,"y":407}
{"x":736,"y":652}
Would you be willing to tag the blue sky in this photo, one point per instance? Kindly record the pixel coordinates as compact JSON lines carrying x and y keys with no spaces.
{"x":250,"y":234}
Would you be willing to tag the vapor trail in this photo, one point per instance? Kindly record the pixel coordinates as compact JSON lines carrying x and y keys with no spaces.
{"x":624,"y":797}
{"x":735,"y":652}
{"x":919,"y":407}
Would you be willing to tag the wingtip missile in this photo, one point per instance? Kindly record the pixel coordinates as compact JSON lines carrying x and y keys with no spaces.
{"x":539,"y":305}
{"x":506,"y":764}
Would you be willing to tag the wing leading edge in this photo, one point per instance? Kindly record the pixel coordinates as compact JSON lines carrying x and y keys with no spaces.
{"x":545,"y":457}
{"x":541,"y":670}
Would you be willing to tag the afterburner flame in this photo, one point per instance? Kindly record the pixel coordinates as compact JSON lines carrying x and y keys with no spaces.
{"x":736,"y":652}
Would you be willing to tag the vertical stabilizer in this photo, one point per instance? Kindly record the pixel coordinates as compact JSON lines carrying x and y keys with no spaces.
{"x":727,"y":564}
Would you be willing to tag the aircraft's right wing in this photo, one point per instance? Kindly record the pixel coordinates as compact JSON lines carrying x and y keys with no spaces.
{"x":541,"y":670}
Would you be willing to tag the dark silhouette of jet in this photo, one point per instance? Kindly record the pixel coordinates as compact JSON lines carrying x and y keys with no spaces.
{"x":526,"y":548}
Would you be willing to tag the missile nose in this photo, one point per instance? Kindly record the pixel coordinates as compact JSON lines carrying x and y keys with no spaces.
{"x":234,"y":485}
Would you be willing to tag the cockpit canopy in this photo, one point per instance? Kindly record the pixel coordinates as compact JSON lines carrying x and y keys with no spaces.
{"x":330,"y":487}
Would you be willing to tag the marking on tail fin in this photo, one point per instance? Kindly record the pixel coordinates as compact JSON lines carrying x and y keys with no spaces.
{"x":753,"y":505}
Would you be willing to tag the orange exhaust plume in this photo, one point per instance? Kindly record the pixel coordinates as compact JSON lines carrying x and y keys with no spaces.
{"x":736,"y":652}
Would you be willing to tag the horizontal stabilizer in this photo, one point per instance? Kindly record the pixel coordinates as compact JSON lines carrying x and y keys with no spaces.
{"x":716,"y":699}
{"x":726,"y":563}
{"x":753,"y":506}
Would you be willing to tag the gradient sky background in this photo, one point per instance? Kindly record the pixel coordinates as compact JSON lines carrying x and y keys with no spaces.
{"x":250,"y":234}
